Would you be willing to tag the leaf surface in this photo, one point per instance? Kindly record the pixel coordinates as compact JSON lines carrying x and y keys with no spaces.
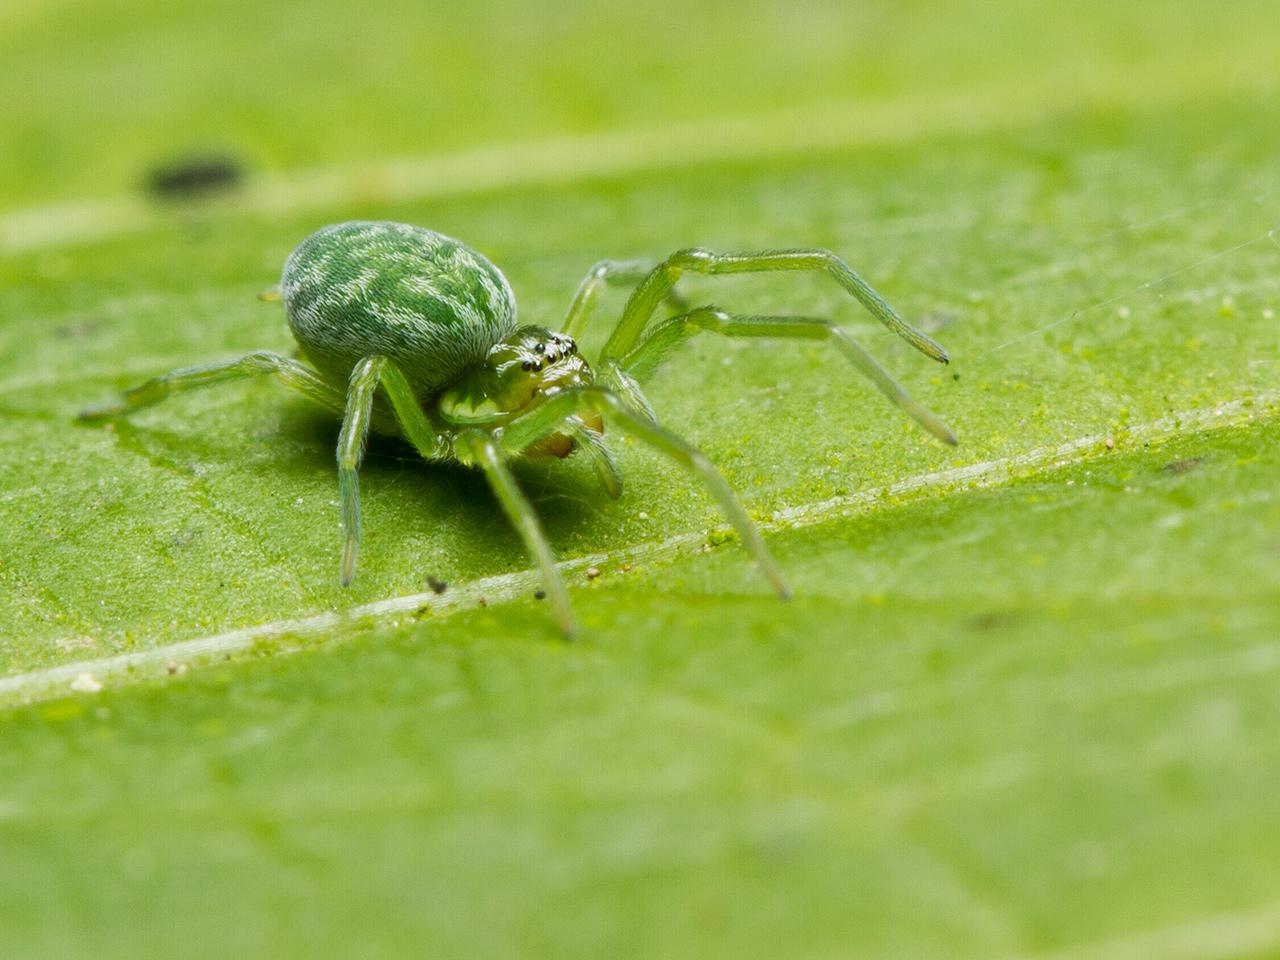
{"x":1023,"y":701}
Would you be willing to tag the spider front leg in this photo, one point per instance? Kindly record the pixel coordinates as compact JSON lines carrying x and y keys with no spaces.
{"x":592,"y":443}
{"x":292,"y":373}
{"x":669,"y":334}
{"x":486,"y":453}
{"x":659,"y":282}
{"x":351,"y":443}
{"x":608,"y":273}
{"x":524,"y":431}
{"x":368,"y":375}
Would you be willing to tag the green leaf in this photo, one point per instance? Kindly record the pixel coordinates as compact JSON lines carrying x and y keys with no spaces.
{"x":1023,"y":701}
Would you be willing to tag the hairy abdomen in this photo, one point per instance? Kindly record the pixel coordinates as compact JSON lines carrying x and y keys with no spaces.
{"x":430,"y":303}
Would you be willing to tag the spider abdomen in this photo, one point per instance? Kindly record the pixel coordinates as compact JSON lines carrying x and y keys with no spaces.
{"x":428,"y":302}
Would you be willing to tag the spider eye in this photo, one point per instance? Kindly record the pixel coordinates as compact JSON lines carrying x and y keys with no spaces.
{"x":527,"y":365}
{"x":539,"y":347}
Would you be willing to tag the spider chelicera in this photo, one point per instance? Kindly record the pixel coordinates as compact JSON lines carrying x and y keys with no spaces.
{"x":411,"y":333}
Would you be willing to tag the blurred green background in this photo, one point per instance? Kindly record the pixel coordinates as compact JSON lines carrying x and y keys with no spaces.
{"x":96,"y":93}
{"x":1030,"y":714}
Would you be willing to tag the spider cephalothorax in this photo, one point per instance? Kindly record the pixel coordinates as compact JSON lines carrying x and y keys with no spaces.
{"x":520,"y":371}
{"x":411,"y":332}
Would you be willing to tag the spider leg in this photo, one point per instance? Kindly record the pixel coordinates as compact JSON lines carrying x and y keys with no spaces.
{"x":414,"y":425}
{"x":549,"y":416}
{"x":484,"y":450}
{"x":626,"y":385}
{"x":368,"y":375}
{"x":292,"y":373}
{"x":593,"y":443}
{"x":666,"y":336}
{"x":656,"y":285}
{"x":604,"y":274}
{"x":351,"y":441}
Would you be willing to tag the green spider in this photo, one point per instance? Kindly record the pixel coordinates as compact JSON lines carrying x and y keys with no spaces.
{"x":414,"y":334}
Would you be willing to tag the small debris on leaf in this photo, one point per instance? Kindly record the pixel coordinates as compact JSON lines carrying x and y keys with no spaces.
{"x":1184,"y":465}
{"x":718,"y":538}
{"x":994,"y":619}
{"x":437,"y":586}
{"x":540,"y":594}
{"x":593,"y":572}
{"x":67,"y":644}
{"x":85,"y":683}
{"x":1109,"y":443}
{"x":76,"y":331}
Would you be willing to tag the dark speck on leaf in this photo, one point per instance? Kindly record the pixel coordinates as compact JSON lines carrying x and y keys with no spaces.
{"x":540,"y":594}
{"x":195,"y":175}
{"x":1183,"y":466}
{"x":76,"y":331}
{"x":437,"y":586}
{"x":994,"y":619}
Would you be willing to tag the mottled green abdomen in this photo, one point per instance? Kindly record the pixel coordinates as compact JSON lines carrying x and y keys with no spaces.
{"x":430,"y":303}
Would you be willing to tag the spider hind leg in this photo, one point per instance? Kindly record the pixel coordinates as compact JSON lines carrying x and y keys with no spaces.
{"x":292,"y":373}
